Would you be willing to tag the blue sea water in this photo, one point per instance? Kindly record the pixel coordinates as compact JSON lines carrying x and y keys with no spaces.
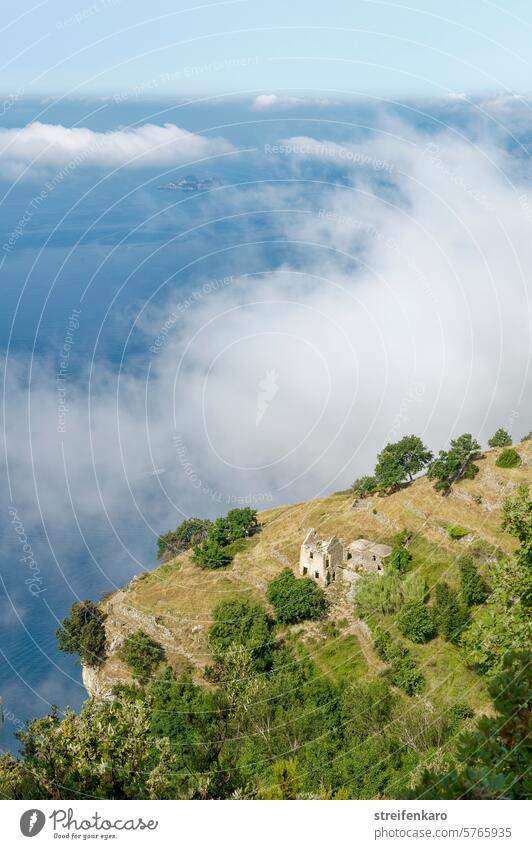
{"x":104,"y":244}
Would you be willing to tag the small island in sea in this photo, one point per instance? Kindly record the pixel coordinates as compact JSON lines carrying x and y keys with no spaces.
{"x":192,"y":184}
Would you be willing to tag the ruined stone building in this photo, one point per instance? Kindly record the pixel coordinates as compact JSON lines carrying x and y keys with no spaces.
{"x":329,"y":560}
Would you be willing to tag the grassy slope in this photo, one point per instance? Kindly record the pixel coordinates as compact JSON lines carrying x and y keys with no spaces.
{"x":174,"y":602}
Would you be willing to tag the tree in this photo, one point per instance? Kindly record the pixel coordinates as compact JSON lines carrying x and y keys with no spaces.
{"x":449,"y":615}
{"x":217,"y":550}
{"x":455,"y":464}
{"x":416,"y":622}
{"x":400,"y":461}
{"x":517,"y":519}
{"x":504,"y":623}
{"x":83,"y":632}
{"x":141,"y":654}
{"x":473,"y":588}
{"x":364,"y":486}
{"x":211,"y":555}
{"x":508,"y":459}
{"x":295,"y":600}
{"x":500,"y":439}
{"x":245,"y":624}
{"x":493,"y":761}
{"x":105,"y":752}
{"x":404,"y":672}
{"x":191,"y":532}
{"x":241,"y":522}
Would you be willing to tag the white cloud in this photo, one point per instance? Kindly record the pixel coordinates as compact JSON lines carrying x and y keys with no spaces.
{"x":405,"y":309}
{"x":52,"y":146}
{"x":264,"y":102}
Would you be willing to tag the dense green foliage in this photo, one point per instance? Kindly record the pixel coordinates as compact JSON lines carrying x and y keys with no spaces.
{"x":456,"y":463}
{"x":223,"y":536}
{"x":83,"y":632}
{"x":450,"y":615}
{"x":400,"y":461}
{"x":508,"y":459}
{"x":500,"y":439}
{"x":473,"y":588}
{"x":415,"y":621}
{"x":493,"y":762}
{"x":403,"y":670}
{"x":246,"y":625}
{"x":295,"y":599}
{"x":504,"y":623}
{"x":189,"y":533}
{"x":141,"y":654}
{"x":517,"y":519}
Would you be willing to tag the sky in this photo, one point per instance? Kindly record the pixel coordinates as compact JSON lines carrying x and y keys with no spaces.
{"x":193,"y":48}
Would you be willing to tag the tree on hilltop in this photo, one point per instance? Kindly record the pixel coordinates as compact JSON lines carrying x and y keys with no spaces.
{"x":500,"y":439}
{"x":456,"y":463}
{"x":400,"y":461}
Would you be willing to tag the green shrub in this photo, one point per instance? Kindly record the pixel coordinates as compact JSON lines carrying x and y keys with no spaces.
{"x":211,"y":555}
{"x":500,"y":439}
{"x":407,"y":676}
{"x":457,"y":531}
{"x":141,"y":654}
{"x":404,"y":672}
{"x":508,"y":459}
{"x":245,"y":624}
{"x":449,"y":615}
{"x":295,"y":600}
{"x":473,"y":587}
{"x":416,"y":622}
{"x":83,"y":632}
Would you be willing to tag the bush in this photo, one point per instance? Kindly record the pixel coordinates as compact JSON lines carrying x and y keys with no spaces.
{"x":407,"y":676}
{"x":457,"y":532}
{"x":416,"y":622}
{"x":141,"y":654}
{"x":295,"y":600}
{"x":246,"y":624}
{"x":473,"y":587}
{"x":83,"y":632}
{"x":404,"y":672}
{"x":211,"y":555}
{"x":449,"y":615}
{"x":508,"y":459}
{"x":500,"y":439}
